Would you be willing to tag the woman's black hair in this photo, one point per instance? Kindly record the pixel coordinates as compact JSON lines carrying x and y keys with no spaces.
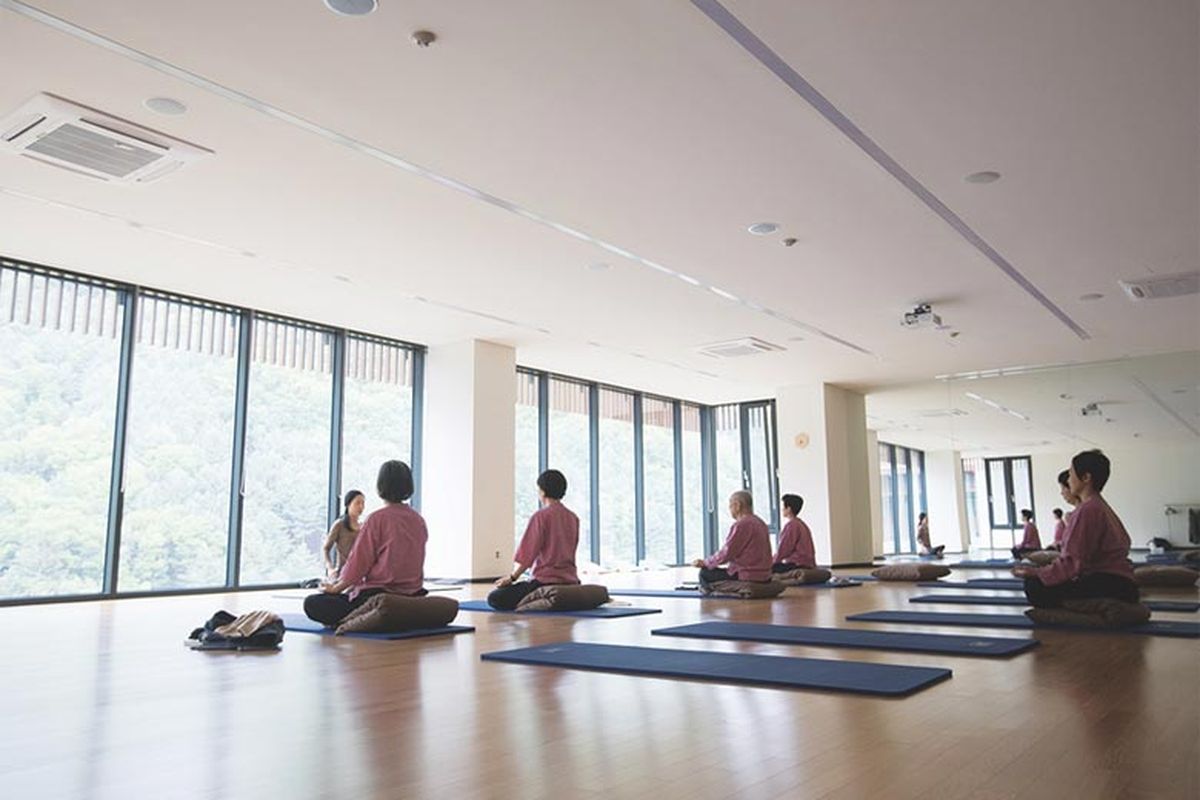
{"x":1063,"y":478}
{"x":553,"y":484}
{"x":922,"y":517}
{"x":395,"y":482}
{"x":1058,"y":513}
{"x":1094,"y":463}
{"x":793,"y":502}
{"x":351,"y":496}
{"x":1026,"y":513}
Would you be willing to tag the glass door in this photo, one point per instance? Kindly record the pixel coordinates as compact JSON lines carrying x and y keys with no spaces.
{"x":1009,"y":489}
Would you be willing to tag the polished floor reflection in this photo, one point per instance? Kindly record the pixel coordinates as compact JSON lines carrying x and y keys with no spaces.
{"x":101,"y":700}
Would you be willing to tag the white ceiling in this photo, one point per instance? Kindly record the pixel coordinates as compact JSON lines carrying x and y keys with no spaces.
{"x":645,"y":127}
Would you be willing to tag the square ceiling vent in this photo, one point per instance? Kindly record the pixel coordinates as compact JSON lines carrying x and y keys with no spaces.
{"x":739,"y":348}
{"x":1159,"y":287}
{"x":89,"y":142}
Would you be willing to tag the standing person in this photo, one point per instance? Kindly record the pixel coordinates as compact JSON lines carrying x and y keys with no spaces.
{"x":548,"y":546}
{"x":747,"y":548}
{"x":340,"y":539}
{"x":1032,"y":540}
{"x":796,"y":549}
{"x":388,"y":554}
{"x":1095,"y":551}
{"x":925,"y":546}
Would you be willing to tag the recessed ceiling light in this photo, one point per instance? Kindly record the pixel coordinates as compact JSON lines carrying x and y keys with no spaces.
{"x":342,"y":278}
{"x":987,"y":176}
{"x":763,"y":228}
{"x":1090,"y":296}
{"x":598,"y":266}
{"x":166,"y":105}
{"x":689,"y":279}
{"x":352,"y":8}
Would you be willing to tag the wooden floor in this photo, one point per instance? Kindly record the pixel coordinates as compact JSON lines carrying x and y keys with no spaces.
{"x":101,"y":700}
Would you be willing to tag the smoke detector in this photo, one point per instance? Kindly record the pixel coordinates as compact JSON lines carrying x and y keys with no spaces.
{"x":738,"y":348}
{"x":1159,"y":287}
{"x":89,"y":142}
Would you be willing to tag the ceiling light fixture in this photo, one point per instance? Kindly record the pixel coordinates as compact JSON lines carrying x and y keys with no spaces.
{"x":166,"y":105}
{"x":352,"y":8}
{"x":688,"y":279}
{"x":598,"y":266}
{"x":1090,"y":296}
{"x":986,"y":176}
{"x":763,"y":228}
{"x":725,"y":294}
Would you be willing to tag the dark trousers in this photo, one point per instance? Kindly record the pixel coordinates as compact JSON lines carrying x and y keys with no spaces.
{"x":1019,"y":552}
{"x":710,"y":575}
{"x":330,"y":609}
{"x":786,"y":567}
{"x":1097,"y":584}
{"x":508,"y":597}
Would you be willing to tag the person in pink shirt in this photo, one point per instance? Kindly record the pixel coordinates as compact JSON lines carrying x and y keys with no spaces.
{"x":796,"y":549}
{"x":1064,"y":490}
{"x":747,"y":548}
{"x":1095,"y":551}
{"x":925,"y":545}
{"x":388,"y":554}
{"x":1032,"y":540}
{"x":1060,"y":528}
{"x":548,"y":546}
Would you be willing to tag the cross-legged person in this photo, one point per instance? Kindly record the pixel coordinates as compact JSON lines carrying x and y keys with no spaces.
{"x":746,"y":553}
{"x":796,"y":549}
{"x":547,"y":546}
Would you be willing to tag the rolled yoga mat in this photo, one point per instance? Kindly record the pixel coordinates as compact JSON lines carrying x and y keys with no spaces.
{"x":977,"y":600}
{"x":603,"y":612}
{"x":299,"y":623}
{"x":947,"y":644}
{"x":794,"y":673}
{"x":1185,"y":630}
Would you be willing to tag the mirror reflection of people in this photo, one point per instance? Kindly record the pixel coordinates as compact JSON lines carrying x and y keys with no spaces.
{"x":341,"y":536}
{"x":547,"y":546}
{"x":925,"y":547}
{"x":747,"y":548}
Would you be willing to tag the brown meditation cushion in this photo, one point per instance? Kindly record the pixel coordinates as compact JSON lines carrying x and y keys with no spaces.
{"x":802,"y":575}
{"x":1092,"y":613}
{"x":911,"y":572}
{"x":1042,"y":557}
{"x":1165,"y":576}
{"x":392,"y":613}
{"x":749,"y":589}
{"x":564,"y":597}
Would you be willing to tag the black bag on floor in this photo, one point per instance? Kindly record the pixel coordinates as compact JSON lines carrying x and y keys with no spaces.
{"x":258,"y":630}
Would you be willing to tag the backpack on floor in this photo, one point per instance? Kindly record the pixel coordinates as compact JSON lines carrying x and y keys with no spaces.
{"x":258,"y":630}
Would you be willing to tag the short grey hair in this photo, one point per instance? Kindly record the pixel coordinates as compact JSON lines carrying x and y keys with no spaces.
{"x":743,"y":498}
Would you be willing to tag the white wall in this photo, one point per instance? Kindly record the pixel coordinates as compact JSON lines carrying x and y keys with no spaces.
{"x":945,"y":504}
{"x":1144,"y":480}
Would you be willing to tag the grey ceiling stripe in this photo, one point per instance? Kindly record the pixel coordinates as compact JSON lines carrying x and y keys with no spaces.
{"x":1166,"y":409}
{"x":769,"y":59}
{"x":233,"y":95}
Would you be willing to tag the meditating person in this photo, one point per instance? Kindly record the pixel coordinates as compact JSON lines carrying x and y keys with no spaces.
{"x":926,"y":548}
{"x":747,"y":548}
{"x":1060,"y":527}
{"x":388,"y":554}
{"x":548,"y":546}
{"x":1032,"y":540}
{"x":1095,"y":551}
{"x":1064,"y":490}
{"x":796,"y":549}
{"x":339,"y":541}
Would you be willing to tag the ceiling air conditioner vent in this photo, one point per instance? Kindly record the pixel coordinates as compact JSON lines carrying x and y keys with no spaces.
{"x":737,"y":348}
{"x":84,"y":140}
{"x":1161,"y":286}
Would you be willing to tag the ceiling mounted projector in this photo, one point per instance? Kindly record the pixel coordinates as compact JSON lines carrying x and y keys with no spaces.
{"x":921,"y":316}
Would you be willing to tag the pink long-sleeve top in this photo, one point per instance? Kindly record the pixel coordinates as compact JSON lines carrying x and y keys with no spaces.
{"x":1032,"y":539}
{"x":548,"y":545}
{"x":796,"y":545}
{"x":747,"y":550}
{"x":1060,"y":530}
{"x":389,"y":552}
{"x":1095,"y":541}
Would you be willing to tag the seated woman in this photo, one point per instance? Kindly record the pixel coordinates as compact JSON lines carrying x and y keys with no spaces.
{"x":1095,"y":552}
{"x":1032,"y":540}
{"x":747,"y":548}
{"x":796,"y":549}
{"x":1060,"y":528}
{"x":548,"y":546}
{"x":388,"y":555}
{"x":336,"y":548}
{"x":925,"y":546}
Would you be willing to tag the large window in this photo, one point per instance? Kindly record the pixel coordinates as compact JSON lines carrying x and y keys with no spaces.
{"x":570,"y":453}
{"x":728,"y":435}
{"x":377,"y":417}
{"x":179,"y":446}
{"x":693,"y":484}
{"x":527,"y":447}
{"x":902,"y":483}
{"x":658,"y":458}
{"x":617,"y":499}
{"x":60,"y":343}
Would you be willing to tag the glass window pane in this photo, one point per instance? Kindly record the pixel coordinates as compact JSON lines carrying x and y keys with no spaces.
{"x":729,"y":454}
{"x":693,"y":486}
{"x":526,"y":452}
{"x":904,"y":504}
{"x":1022,"y":489}
{"x":760,"y":435}
{"x":658,"y":448}
{"x":999,"y":494}
{"x":287,"y":453}
{"x":889,"y":510}
{"x":617,"y":500}
{"x":174,"y":532}
{"x":570,"y":453}
{"x":59,"y":363}
{"x":376,"y":413}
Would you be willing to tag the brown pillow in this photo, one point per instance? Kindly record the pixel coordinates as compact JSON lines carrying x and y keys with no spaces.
{"x":1042,"y":557}
{"x":911,"y":572}
{"x":1165,"y":576}
{"x":747,"y":589}
{"x":564,"y":597}
{"x":393,"y":613}
{"x":1092,"y":613}
{"x":802,"y":575}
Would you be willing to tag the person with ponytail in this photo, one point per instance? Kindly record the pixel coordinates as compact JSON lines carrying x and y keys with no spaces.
{"x":343,"y":533}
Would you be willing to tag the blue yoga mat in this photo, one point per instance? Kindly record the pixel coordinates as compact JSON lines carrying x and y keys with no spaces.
{"x":694,"y":594}
{"x":1016,"y":583}
{"x":795,"y":673}
{"x":299,"y":623}
{"x":841,"y":637}
{"x":975,"y":585}
{"x":978,"y":600}
{"x":1186,"y":630}
{"x":999,"y":563}
{"x":604,"y":612}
